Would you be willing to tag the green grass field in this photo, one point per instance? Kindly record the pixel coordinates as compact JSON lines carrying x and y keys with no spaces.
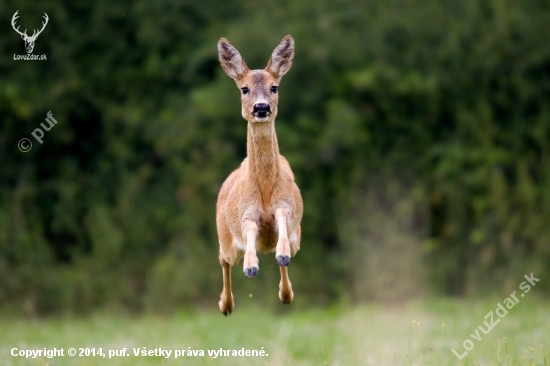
{"x":421,"y":333}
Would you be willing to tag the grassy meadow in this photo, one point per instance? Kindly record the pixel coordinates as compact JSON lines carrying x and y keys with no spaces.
{"x":420,"y":333}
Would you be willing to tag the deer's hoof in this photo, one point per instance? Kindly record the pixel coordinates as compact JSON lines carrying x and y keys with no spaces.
{"x":251,"y":272}
{"x":226,"y":310}
{"x":226,"y":307}
{"x":283,"y":260}
{"x":286,"y":296}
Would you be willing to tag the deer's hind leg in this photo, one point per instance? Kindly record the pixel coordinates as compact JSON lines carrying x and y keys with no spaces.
{"x":229,"y":255}
{"x":285,"y":287}
{"x":226,"y":302}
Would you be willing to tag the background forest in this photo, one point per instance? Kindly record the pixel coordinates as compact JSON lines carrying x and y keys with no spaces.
{"x":418,"y":132}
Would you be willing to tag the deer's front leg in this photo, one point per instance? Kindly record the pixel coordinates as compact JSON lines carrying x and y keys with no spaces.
{"x":251,"y":263}
{"x":283,"y":244}
{"x":283,"y":255}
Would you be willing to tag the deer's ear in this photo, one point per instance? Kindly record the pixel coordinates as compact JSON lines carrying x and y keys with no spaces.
{"x":281,"y":58}
{"x":231,"y":60}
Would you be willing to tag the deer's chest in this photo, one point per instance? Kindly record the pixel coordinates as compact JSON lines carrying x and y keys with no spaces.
{"x":267,"y":233}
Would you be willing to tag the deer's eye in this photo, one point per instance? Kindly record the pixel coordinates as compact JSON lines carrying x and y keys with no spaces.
{"x":274,"y":89}
{"x":245,"y":90}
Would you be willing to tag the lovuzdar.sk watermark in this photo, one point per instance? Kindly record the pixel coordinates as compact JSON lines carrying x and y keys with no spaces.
{"x":500,"y":311}
{"x":29,"y":40}
{"x":30,"y":57}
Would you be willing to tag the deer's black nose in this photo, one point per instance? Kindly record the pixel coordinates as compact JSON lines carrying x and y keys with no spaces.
{"x":261,"y":110}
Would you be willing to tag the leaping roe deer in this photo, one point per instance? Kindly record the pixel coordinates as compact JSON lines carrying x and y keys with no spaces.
{"x":259,"y":206}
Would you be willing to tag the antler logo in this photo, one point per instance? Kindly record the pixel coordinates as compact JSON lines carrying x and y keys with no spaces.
{"x":29,"y":41}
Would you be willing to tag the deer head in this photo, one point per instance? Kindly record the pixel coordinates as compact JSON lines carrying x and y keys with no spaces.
{"x":29,"y":41}
{"x":258,"y":87}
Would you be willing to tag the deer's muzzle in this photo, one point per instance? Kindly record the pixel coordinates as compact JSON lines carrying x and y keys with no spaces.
{"x":261,"y":111}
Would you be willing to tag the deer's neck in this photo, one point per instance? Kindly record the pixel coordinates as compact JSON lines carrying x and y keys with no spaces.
{"x":263,"y":157}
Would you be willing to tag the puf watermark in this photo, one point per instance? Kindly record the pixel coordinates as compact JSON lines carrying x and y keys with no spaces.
{"x":25,"y":144}
{"x":501,"y":311}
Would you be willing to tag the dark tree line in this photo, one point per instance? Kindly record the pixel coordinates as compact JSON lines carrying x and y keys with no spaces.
{"x":418,"y":131}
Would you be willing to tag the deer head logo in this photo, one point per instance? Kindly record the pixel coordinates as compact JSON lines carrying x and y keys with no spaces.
{"x":29,"y":41}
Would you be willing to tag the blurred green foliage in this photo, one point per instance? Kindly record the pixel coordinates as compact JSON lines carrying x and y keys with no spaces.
{"x":418,"y":127}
